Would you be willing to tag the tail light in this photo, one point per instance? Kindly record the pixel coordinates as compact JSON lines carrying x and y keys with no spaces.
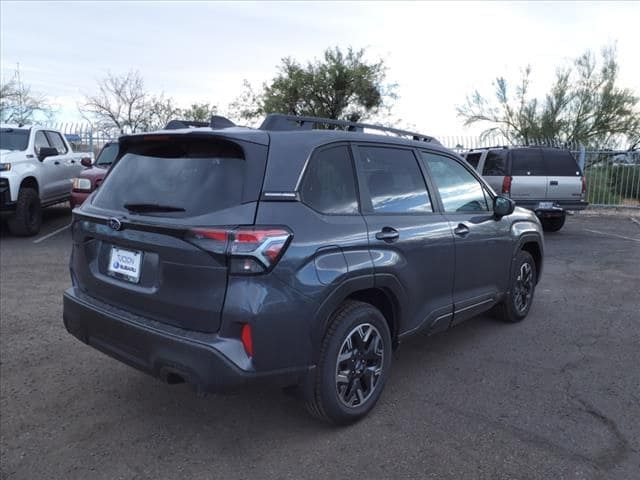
{"x":506,"y":184}
{"x":584,"y":185}
{"x":250,"y":249}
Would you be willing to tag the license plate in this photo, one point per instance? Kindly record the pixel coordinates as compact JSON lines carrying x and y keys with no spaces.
{"x":545,"y":205}
{"x":125,"y":264}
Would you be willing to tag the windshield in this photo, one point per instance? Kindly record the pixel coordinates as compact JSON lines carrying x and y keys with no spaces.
{"x":14,"y":138}
{"x":107,"y":155}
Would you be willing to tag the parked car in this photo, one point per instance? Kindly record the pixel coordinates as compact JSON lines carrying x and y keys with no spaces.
{"x":37,"y":166}
{"x":299,"y":256}
{"x":545,"y":180}
{"x":91,"y":178}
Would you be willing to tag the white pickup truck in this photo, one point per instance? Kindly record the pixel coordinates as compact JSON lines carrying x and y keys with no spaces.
{"x":37,"y":167}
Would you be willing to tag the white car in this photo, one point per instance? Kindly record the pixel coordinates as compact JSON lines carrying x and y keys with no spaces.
{"x":37,"y":167}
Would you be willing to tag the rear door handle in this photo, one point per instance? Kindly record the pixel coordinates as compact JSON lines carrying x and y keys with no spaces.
{"x":553,"y":182}
{"x":388,"y":234}
{"x":461,"y":230}
{"x":73,"y":161}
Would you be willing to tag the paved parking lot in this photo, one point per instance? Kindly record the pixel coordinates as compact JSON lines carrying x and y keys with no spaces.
{"x":557,"y":396}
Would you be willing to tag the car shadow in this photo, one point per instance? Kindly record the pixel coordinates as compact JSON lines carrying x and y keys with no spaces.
{"x":52,"y":218}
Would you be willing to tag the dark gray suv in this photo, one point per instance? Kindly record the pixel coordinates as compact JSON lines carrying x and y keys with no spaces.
{"x":300,"y":253}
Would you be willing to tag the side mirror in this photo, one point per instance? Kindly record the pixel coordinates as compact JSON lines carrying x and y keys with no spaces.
{"x":503,"y":206}
{"x":47,"y":152}
{"x":86,"y":161}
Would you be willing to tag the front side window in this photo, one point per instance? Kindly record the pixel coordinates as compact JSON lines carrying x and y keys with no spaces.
{"x":56,"y":141}
{"x":40,"y":141}
{"x":459,"y":190}
{"x":393,"y":180}
{"x":495,"y":165}
{"x":329,"y":185}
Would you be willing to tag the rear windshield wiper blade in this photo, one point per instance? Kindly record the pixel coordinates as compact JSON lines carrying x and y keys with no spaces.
{"x":151,"y":207}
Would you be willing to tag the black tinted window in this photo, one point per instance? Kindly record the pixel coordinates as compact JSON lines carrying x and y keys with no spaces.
{"x":560,"y":163}
{"x":56,"y":141}
{"x":473,"y":159}
{"x":459,"y":189}
{"x":197,"y":176}
{"x":526,"y":162}
{"x":107,"y":154}
{"x":393,"y":180}
{"x":14,"y":139}
{"x":495,"y":164}
{"x":329,"y":185}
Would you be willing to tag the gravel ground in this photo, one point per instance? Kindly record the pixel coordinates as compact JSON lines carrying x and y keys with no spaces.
{"x":554,"y":397}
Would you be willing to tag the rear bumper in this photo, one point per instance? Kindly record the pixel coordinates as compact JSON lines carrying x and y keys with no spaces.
{"x":207,"y":361}
{"x":558,"y":209}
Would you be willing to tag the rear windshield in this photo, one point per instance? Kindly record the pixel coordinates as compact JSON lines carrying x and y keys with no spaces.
{"x":560,"y":163}
{"x":182,"y":178}
{"x":14,"y":138}
{"x":107,"y":155}
{"x":527,"y":162}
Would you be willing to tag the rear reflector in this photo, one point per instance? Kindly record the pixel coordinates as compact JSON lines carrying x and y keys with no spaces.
{"x":584,"y":185}
{"x":247,"y":341}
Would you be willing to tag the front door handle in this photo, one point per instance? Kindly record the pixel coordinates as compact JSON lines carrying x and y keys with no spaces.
{"x":388,"y":234}
{"x":553,"y":183}
{"x":73,"y":161}
{"x":56,"y":162}
{"x":461,"y":230}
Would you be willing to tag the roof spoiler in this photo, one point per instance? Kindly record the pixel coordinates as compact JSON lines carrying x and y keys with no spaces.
{"x":216,"y":122}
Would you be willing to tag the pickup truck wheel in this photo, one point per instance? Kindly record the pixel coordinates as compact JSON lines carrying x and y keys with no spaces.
{"x":354,"y":364}
{"x":28,"y":217}
{"x":517,"y":302}
{"x":553,"y":224}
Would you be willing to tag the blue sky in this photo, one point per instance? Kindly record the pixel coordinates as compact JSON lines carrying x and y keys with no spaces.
{"x":437,"y":53}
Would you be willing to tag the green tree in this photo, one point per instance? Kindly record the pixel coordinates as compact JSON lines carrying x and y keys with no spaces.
{"x":342,"y":85}
{"x":199,"y":112}
{"x":18,"y":104}
{"x":584,"y":105}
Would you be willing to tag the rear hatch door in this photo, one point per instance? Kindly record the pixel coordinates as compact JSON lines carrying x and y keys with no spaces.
{"x":529,"y":176}
{"x":564,"y":178}
{"x":133,"y":242}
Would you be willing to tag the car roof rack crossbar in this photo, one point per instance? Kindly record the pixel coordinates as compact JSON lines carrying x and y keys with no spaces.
{"x":216,"y":122}
{"x":281,"y":122}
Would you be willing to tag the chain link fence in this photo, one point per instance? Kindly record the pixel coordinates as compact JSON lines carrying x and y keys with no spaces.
{"x":612,"y":176}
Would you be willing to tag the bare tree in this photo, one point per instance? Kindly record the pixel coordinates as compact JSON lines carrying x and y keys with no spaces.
{"x":18,"y":104}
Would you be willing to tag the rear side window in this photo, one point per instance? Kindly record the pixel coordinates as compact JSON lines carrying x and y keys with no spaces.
{"x":459,"y":190}
{"x":393,"y":180}
{"x":560,"y":163}
{"x":56,"y":141}
{"x":527,"y":162}
{"x":495,"y":165}
{"x":329,"y":184}
{"x":190,"y":177}
{"x":473,"y":159}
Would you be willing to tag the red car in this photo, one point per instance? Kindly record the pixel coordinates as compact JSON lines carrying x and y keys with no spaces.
{"x":92,"y":177}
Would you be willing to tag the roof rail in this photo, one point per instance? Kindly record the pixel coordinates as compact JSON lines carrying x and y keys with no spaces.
{"x":277,"y":121}
{"x":216,"y":122}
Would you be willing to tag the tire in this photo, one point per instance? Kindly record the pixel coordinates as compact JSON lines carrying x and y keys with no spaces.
{"x":345,"y":389}
{"x":28,"y":217}
{"x":517,"y":303}
{"x":553,"y":224}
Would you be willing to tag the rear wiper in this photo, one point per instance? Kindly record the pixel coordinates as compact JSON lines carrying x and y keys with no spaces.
{"x":151,"y":207}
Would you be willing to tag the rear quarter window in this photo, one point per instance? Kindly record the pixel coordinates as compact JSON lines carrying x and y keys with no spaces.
{"x":495,"y":165}
{"x":473,"y":159}
{"x":199,"y":176}
{"x":560,"y":163}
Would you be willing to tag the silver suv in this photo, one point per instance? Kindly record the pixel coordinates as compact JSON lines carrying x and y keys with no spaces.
{"x":546,"y":180}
